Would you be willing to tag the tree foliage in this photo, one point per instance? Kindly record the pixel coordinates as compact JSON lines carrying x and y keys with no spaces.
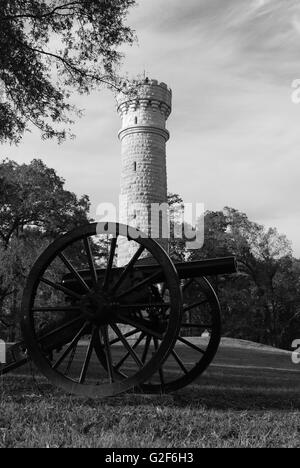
{"x":35,"y":208}
{"x":262,"y":301}
{"x":48,"y":49}
{"x":33,"y":196}
{"x":177,"y":250}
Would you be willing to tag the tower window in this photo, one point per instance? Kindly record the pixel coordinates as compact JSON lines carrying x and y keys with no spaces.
{"x":134,"y":166}
{"x":135,"y":120}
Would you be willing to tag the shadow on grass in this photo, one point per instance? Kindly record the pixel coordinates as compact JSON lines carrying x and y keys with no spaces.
{"x":238,"y":380}
{"x":214,"y":392}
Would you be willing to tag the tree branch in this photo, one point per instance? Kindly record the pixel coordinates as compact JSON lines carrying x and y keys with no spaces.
{"x":67,"y":6}
{"x":71,"y":66}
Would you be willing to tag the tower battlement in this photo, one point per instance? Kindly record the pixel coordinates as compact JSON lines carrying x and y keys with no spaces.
{"x":147,"y":95}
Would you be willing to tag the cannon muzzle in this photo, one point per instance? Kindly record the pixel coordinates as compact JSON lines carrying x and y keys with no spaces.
{"x":207,"y":267}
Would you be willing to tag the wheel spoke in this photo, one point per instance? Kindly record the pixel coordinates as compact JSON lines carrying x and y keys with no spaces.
{"x":90,"y":258}
{"x":127,"y":346}
{"x":195,"y":304}
{"x":70,"y":267}
{"x":109,"y":362}
{"x":179,"y":361}
{"x":140,"y":326}
{"x":195,"y":325}
{"x":191,"y":345}
{"x":124,"y":358}
{"x":146,"y":349}
{"x":56,"y":309}
{"x":160,"y":370}
{"x":61,"y":288}
{"x":61,"y":328}
{"x":144,"y":305}
{"x":110,"y":262}
{"x":72,"y":345}
{"x":71,"y":359}
{"x":150,"y":279}
{"x":117,"y":340}
{"x":128,"y":268}
{"x":87,"y":357}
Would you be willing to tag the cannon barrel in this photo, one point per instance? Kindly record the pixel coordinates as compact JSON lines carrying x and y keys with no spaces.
{"x":197,"y":268}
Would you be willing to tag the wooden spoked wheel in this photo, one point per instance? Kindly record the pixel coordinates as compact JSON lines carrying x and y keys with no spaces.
{"x":81,"y":314}
{"x":197,"y":342}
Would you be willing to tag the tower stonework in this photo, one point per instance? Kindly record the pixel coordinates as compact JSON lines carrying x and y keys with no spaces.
{"x":143,"y":136}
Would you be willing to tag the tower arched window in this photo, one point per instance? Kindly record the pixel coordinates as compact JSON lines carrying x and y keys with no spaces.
{"x":134,"y":166}
{"x":135,"y":120}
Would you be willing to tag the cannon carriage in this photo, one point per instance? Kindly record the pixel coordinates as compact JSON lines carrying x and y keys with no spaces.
{"x":96,"y":329}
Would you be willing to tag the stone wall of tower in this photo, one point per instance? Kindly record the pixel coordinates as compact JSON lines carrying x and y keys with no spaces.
{"x":143,"y":137}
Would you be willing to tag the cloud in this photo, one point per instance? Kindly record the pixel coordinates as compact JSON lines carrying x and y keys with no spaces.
{"x":234,"y":130}
{"x":296,"y":23}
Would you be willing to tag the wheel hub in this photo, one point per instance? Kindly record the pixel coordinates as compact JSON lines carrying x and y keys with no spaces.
{"x":97,"y":307}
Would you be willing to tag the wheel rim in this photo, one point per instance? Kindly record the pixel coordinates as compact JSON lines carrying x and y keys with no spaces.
{"x":95,"y":319}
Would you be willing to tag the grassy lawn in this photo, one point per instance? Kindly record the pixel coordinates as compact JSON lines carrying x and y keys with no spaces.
{"x":248,"y":398}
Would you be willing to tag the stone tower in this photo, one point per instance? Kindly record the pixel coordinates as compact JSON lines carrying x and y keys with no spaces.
{"x":143,"y":136}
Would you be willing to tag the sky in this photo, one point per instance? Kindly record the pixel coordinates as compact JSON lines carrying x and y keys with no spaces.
{"x":234,"y":127}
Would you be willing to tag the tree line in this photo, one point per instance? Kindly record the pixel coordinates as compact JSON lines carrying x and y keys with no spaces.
{"x":260,"y":303}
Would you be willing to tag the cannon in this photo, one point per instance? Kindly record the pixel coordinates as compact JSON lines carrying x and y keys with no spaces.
{"x":96,"y":329}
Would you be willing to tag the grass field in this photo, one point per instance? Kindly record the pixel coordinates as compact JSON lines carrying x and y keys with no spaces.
{"x":249,"y":397}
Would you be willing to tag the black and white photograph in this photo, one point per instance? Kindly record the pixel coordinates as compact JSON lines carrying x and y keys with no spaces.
{"x":149,"y":226}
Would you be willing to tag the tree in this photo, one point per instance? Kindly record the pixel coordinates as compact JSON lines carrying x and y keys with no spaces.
{"x":177,"y":250}
{"x":33,"y":196}
{"x":34,"y":209}
{"x":262,"y":301}
{"x":49,"y":48}
{"x":265,"y":257}
{"x":15,"y":263}
{"x":286,"y":310}
{"x":263,"y":298}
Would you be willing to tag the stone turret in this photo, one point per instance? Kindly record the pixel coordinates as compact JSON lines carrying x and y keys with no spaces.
{"x":143,"y":135}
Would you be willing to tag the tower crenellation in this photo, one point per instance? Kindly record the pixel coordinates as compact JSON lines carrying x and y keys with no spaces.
{"x":145,"y":94}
